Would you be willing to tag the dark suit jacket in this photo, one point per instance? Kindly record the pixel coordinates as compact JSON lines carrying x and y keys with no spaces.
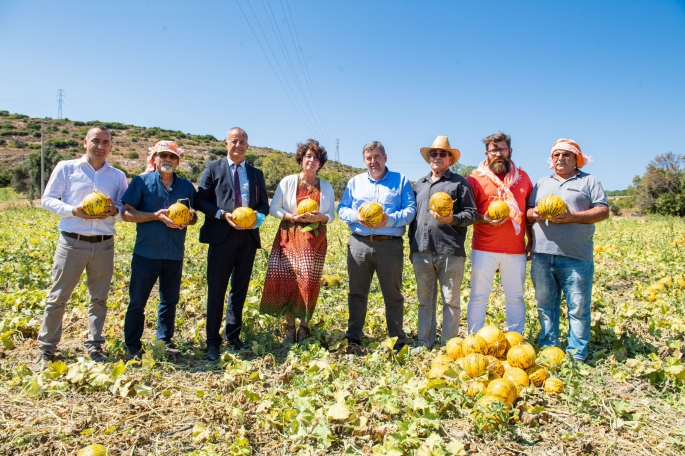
{"x":215,"y":191}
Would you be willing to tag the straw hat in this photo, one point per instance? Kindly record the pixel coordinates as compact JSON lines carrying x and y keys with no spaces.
{"x":441,"y":143}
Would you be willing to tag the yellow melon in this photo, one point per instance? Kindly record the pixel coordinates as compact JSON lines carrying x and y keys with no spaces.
{"x":474,"y":387}
{"x":473,"y":343}
{"x":244,"y":217}
{"x":371,"y":213}
{"x":518,"y":377}
{"x":494,"y":365}
{"x":94,"y":449}
{"x":179,"y":213}
{"x":497,"y":343}
{"x":537,"y":374}
{"x":513,"y":338}
{"x":474,"y":364}
{"x":498,"y":209}
{"x":95,"y":203}
{"x":551,"y":206}
{"x":552,"y":357}
{"x":491,"y":411}
{"x":504,"y":389}
{"x":553,"y":385}
{"x":454,"y":348}
{"x":521,"y":355}
{"x":307,"y":205}
{"x":441,"y":203}
{"x":441,"y":360}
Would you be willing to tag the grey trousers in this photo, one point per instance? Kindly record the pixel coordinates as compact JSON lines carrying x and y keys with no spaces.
{"x":385,"y":258}
{"x":431,"y":268}
{"x":71,"y":258}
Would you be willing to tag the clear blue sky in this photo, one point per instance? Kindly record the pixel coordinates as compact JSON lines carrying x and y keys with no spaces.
{"x":608,"y":74}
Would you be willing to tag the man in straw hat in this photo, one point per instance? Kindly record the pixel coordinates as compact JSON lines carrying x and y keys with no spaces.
{"x":563,"y":250}
{"x":377,"y":248}
{"x":160,"y":244}
{"x":437,"y":242}
{"x":499,"y":244}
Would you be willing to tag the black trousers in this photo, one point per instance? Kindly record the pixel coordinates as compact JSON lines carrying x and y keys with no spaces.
{"x":233,"y":258}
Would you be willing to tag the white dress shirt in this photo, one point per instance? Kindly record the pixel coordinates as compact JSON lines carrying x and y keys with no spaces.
{"x":70,"y":182}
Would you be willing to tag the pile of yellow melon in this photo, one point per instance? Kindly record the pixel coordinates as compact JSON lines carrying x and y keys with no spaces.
{"x":498,"y":366}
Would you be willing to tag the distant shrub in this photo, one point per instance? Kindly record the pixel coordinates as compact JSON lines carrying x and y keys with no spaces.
{"x":78,"y":123}
{"x":51,"y":128}
{"x":6,"y":177}
{"x":64,"y":131}
{"x":7,"y":125}
{"x":4,"y":113}
{"x":62,"y":143}
{"x":26,"y":176}
{"x":14,"y":133}
{"x":33,"y":126}
{"x":34,"y":146}
{"x":17,"y":144}
{"x":18,"y":116}
{"x":132,"y":155}
{"x":251,"y":157}
{"x":37,"y":134}
{"x":121,"y":168}
{"x":2,"y":142}
{"x":134,"y":139}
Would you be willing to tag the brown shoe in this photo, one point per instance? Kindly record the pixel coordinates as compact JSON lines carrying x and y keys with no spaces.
{"x":97,"y":355}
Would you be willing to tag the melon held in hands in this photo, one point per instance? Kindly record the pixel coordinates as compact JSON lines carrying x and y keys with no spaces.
{"x":551,"y":206}
{"x":244,"y":217}
{"x":371,"y":213}
{"x":307,"y":205}
{"x":95,"y":204}
{"x":498,"y":209}
{"x":179,"y":213}
{"x":441,"y":203}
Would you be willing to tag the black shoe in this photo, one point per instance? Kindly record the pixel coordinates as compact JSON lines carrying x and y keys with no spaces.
{"x":352,"y":341}
{"x":172,"y":352}
{"x":237,"y":344}
{"x":213,"y":353}
{"x":399,"y":346}
{"x":97,"y":355}
{"x":133,"y":353}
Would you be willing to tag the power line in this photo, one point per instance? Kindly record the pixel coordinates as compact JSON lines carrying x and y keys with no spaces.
{"x":284,"y":49}
{"x":303,"y":62}
{"x":272,"y":66}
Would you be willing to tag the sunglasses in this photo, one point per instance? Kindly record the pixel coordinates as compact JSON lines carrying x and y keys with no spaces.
{"x":441,"y":154}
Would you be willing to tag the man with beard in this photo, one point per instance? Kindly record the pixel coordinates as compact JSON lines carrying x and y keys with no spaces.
{"x":160,"y":244}
{"x":499,"y":244}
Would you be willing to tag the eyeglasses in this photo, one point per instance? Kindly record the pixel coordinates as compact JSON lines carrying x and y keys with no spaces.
{"x":559,"y":155}
{"x":494,"y":152}
{"x":435,"y":153}
{"x":167,"y":156}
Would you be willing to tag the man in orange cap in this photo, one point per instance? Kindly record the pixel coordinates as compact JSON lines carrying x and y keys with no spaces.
{"x":562,"y":247}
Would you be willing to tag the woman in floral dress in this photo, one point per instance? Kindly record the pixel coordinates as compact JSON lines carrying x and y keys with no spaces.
{"x":293,"y":278}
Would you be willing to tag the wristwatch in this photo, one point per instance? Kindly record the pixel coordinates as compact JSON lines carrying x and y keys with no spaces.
{"x":221,"y":215}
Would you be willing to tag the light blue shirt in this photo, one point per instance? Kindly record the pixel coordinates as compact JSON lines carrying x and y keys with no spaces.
{"x":244,"y":183}
{"x":73,"y":180}
{"x":393,"y":191}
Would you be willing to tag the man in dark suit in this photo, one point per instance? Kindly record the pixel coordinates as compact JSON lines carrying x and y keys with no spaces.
{"x":227,"y":184}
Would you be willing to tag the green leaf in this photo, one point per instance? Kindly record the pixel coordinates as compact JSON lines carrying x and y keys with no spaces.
{"x":148,"y":360}
{"x":339,"y":411}
{"x":143,"y":390}
{"x":389,"y":343}
{"x":118,"y":369}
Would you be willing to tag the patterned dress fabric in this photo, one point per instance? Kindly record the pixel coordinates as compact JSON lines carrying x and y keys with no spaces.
{"x":293,"y":278}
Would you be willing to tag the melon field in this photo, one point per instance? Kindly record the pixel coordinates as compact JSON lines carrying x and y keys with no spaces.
{"x":323,"y":397}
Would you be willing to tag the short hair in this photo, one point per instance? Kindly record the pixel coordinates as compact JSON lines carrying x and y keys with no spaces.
{"x":371,"y":145}
{"x":236,"y":128}
{"x":98,"y":127}
{"x":313,"y":145}
{"x":497,"y":137}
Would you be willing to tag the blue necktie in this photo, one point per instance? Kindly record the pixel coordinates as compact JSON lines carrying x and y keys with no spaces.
{"x":237,"y":196}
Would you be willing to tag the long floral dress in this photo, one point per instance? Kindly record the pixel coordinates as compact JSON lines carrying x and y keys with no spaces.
{"x":293,"y":278}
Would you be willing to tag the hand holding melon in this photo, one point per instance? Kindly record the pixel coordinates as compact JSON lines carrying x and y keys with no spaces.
{"x":371,"y":214}
{"x":96,"y":205}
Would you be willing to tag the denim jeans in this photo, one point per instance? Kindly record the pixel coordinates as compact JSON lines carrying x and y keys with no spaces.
{"x":431,"y":268}
{"x":552,"y":275}
{"x":144,"y":275}
{"x":512,"y":270}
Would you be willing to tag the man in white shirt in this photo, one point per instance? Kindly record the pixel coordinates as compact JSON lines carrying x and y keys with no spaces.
{"x":85,"y":242}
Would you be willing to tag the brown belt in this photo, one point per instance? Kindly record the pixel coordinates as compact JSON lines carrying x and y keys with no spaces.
{"x":91,"y":239}
{"x":378,"y":237}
